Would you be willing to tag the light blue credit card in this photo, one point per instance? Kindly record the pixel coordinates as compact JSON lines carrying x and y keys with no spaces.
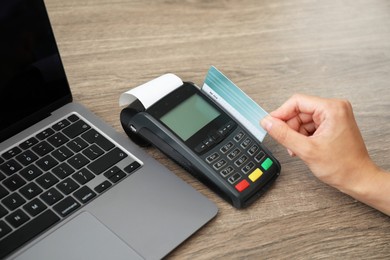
{"x":235,"y":101}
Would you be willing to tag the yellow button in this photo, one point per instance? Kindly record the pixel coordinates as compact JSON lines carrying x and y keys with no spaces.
{"x":256,"y":174}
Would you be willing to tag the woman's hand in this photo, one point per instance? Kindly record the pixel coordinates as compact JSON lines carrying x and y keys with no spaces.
{"x":324,"y":134}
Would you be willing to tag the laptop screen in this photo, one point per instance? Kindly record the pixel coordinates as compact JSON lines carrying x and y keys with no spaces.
{"x":32,"y":78}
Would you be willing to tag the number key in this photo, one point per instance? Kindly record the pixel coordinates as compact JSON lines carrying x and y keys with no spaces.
{"x":11,"y":153}
{"x":241,"y":160}
{"x":253,"y":149}
{"x":218,"y":165}
{"x":227,"y":147}
{"x":10,"y":167}
{"x":246,"y":143}
{"x":239,"y":136}
{"x":26,"y":157}
{"x":227,"y":171}
{"x":212,"y":157}
{"x":233,"y":154}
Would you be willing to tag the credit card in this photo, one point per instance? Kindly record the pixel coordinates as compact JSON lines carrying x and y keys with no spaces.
{"x":239,"y":105}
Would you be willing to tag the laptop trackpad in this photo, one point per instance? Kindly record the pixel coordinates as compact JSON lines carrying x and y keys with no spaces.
{"x":84,"y":237}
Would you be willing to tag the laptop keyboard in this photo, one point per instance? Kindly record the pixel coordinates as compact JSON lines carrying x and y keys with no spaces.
{"x":50,"y":175}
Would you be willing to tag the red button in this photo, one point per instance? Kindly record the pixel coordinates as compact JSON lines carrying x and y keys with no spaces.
{"x":242,"y":185}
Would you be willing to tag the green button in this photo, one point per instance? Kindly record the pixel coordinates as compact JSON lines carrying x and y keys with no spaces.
{"x":266,"y":164}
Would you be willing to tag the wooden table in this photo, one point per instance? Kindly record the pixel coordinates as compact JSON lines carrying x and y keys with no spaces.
{"x":271,"y":49}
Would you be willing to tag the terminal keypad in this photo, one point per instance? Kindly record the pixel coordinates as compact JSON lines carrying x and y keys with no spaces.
{"x":239,"y":160}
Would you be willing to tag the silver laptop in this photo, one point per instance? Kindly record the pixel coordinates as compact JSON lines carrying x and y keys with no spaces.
{"x":71,"y":187}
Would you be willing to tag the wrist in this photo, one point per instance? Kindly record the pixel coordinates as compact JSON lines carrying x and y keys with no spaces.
{"x":367,"y":187}
{"x":362,"y":180}
{"x":372,"y":188}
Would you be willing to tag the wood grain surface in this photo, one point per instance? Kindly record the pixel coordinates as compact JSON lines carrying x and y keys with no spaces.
{"x":271,"y":49}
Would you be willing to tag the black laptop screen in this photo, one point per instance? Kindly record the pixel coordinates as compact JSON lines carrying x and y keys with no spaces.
{"x":32,"y":78}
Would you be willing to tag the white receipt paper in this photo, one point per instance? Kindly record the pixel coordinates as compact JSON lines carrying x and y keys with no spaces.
{"x":151,"y":91}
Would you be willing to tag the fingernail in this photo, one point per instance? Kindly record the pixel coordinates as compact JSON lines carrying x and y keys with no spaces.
{"x":290,"y":152}
{"x":266,"y":123}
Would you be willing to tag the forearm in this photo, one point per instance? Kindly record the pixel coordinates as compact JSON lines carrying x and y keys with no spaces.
{"x":374,"y":190}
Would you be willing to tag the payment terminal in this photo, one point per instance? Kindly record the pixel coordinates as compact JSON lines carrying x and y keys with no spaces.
{"x":198,"y":134}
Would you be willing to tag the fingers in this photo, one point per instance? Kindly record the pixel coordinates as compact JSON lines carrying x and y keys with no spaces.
{"x":302,"y":123}
{"x":284,"y":135}
{"x":308,"y":129}
{"x":296,"y":105}
{"x":299,"y":118}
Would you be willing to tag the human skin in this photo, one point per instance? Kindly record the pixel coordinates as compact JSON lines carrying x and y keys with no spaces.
{"x":324,"y":134}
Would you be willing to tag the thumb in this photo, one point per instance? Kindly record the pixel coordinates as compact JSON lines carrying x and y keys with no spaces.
{"x":283,"y":134}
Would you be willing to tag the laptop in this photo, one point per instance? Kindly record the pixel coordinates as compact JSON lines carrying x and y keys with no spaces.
{"x":71,"y":187}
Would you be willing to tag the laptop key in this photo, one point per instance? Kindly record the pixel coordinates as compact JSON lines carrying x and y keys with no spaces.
{"x":78,"y":161}
{"x":31,"y":172}
{"x":132,"y":167}
{"x":27,"y":232}
{"x":42,"y":148}
{"x":4,"y":229}
{"x":26,"y":157}
{"x":61,"y":125}
{"x":14,"y":182}
{"x":28,"y":143}
{"x":30,"y":190}
{"x":51,"y":196}
{"x":45,"y":133}
{"x":117,"y":176}
{"x":83,"y":176}
{"x":102,"y":186}
{"x":3,"y":192}
{"x":3,"y":212}
{"x":84,"y":194}
{"x":62,"y":153}
{"x":108,"y":174}
{"x":13,"y":201}
{"x":63,"y":170}
{"x":47,"y":180}
{"x":47,"y":162}
{"x":76,"y":129}
{"x":66,"y":206}
{"x":11,"y":153}
{"x":10,"y":167}
{"x":77,"y":144}
{"x":93,"y":152}
{"x":107,"y":160}
{"x":73,"y":118}
{"x":34,"y":207}
{"x":93,"y":136}
{"x":17,"y":218}
{"x":67,"y":186}
{"x":57,"y":139}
